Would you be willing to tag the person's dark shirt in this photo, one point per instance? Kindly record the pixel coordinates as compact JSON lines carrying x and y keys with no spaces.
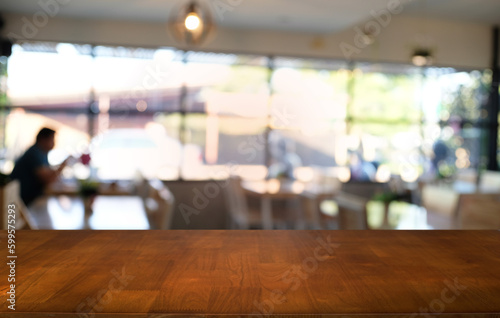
{"x":25,"y":171}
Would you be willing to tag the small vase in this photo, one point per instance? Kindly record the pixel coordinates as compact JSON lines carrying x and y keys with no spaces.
{"x":88,"y":202}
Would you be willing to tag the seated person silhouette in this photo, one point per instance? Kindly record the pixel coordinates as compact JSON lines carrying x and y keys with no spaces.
{"x":32,"y":169}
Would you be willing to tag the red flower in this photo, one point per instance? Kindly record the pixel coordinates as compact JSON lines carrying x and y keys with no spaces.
{"x":85,"y":159}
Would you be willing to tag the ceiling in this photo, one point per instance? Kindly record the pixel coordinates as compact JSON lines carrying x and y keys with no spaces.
{"x":318,"y":16}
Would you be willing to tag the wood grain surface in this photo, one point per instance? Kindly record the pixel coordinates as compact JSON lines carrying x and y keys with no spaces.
{"x":261,"y":273}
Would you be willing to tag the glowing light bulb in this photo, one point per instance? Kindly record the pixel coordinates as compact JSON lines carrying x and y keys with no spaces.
{"x":419,"y":60}
{"x":192,"y":21}
{"x":422,"y":57}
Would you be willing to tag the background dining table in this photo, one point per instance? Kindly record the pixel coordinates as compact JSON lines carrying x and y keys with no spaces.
{"x":108,"y":213}
{"x":71,"y":187}
{"x":306,"y":193}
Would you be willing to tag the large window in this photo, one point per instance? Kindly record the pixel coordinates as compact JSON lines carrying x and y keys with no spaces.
{"x":50,"y":75}
{"x":48,"y":84}
{"x":308,"y":109}
{"x":173,"y":114}
{"x":456,"y":119}
{"x":226,"y":105}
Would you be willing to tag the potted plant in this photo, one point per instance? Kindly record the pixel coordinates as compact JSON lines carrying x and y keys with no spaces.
{"x":88,"y":190}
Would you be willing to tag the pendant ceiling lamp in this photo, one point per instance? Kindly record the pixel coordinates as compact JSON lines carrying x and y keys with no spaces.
{"x":422,"y":57}
{"x":191,"y":23}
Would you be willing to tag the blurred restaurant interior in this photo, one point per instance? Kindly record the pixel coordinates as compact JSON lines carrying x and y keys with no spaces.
{"x":255,"y":114}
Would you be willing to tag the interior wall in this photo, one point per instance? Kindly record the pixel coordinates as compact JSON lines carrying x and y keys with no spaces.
{"x":455,"y":44}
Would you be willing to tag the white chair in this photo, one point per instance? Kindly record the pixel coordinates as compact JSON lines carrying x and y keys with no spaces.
{"x":318,"y":216}
{"x":441,"y":204}
{"x":158,"y":203}
{"x":467,"y":176}
{"x":241,"y":215}
{"x":11,"y":195}
{"x":479,"y":211}
{"x":439,"y":200}
{"x":352,"y":211}
{"x":489,"y":182}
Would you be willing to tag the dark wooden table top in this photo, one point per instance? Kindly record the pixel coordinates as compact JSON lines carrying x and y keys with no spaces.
{"x":235,"y":273}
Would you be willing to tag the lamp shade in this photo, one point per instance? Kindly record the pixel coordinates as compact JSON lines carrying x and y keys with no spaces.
{"x":422,"y":57}
{"x":191,"y":23}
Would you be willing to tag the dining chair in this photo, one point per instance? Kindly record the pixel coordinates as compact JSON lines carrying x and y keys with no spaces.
{"x":479,"y":211}
{"x":489,"y":182}
{"x":23,"y":219}
{"x":352,"y":213}
{"x":439,"y":199}
{"x":441,"y":204}
{"x":240,"y":216}
{"x":318,"y":206}
{"x":467,"y":175}
{"x":158,"y":203}
{"x":245,"y":216}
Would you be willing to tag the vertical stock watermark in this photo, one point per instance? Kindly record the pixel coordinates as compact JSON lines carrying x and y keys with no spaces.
{"x":296,"y":275}
{"x":92,"y":305}
{"x":11,"y":257}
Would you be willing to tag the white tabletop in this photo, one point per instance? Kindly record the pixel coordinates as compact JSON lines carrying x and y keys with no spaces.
{"x":109,"y":213}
